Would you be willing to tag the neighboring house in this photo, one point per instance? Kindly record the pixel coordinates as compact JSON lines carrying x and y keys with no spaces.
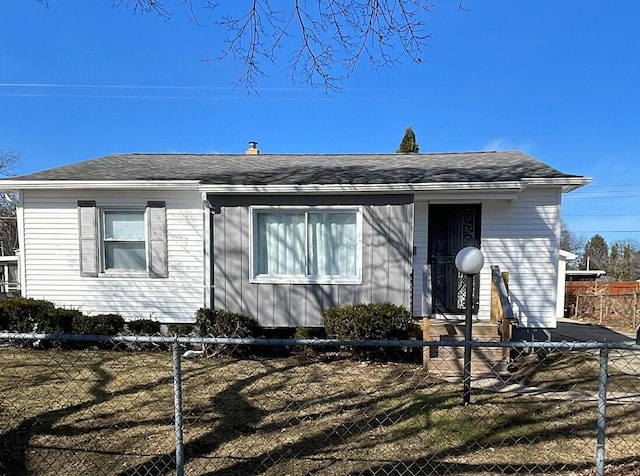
{"x":585,"y":274}
{"x":282,"y":237}
{"x":9,"y":276}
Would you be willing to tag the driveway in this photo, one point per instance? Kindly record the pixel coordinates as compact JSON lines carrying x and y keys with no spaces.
{"x":570,"y":330}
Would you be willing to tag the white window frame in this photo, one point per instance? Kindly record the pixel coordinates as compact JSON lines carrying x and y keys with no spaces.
{"x":103,"y":240}
{"x":306,"y":278}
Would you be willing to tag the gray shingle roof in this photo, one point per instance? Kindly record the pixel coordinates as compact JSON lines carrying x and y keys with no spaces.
{"x":303,"y":169}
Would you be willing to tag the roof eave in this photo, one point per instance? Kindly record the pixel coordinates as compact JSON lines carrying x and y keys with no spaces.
{"x":378,"y":188}
{"x":568,"y":184}
{"x":99,"y":185}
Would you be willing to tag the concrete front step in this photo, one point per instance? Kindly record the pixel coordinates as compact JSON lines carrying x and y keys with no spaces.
{"x":448,"y":361}
{"x":480,"y":329}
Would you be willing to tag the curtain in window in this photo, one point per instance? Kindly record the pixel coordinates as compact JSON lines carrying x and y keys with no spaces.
{"x":280,"y":248}
{"x":126,"y":225}
{"x":332,"y":244}
{"x":124,"y":255}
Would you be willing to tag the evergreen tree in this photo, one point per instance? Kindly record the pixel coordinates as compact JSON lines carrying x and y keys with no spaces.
{"x":408,"y":144}
{"x":596,"y":253}
{"x":626,"y":266}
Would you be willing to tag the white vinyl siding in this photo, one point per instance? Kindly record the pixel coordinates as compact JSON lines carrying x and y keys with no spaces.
{"x":519,"y":236}
{"x":522,"y":237}
{"x":306,"y":245}
{"x":52,"y":259}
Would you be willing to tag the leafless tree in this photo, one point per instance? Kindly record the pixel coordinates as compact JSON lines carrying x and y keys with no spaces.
{"x":321,"y":41}
{"x":571,"y":242}
{"x":8,"y":201}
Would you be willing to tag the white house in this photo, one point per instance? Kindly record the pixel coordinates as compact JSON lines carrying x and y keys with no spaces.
{"x":282,"y":237}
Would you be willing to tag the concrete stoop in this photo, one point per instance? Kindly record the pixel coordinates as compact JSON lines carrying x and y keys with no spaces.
{"x":449,"y":361}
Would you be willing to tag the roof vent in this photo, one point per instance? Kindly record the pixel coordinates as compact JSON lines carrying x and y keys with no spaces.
{"x":253,"y":148}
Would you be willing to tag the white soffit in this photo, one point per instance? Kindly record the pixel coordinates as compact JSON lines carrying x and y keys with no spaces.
{"x":568,"y":184}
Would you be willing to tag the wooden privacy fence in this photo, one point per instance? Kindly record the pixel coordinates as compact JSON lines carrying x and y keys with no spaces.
{"x":613,"y":304}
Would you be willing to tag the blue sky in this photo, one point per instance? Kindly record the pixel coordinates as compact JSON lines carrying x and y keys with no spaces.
{"x":557,"y":80}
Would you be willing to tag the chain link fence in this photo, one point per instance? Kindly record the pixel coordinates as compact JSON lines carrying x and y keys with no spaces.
{"x":162,"y":406}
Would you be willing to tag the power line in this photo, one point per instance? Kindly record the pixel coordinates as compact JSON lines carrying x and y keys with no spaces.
{"x":598,"y":215}
{"x":109,"y":86}
{"x":605,"y":231}
{"x":599,"y":197}
{"x":148,"y":86}
{"x":590,"y":185}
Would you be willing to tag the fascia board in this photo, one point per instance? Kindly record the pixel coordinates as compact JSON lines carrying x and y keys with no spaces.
{"x":568,"y":184}
{"x":567,"y":255}
{"x":469,"y":196}
{"x":99,"y":185}
{"x":363,"y":188}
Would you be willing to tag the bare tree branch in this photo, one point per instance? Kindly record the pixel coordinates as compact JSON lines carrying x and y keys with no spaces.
{"x":8,"y":202}
{"x":8,"y":160}
{"x":145,"y":6}
{"x":319,"y":42}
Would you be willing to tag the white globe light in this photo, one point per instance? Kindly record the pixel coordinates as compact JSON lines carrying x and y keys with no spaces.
{"x":469,"y":260}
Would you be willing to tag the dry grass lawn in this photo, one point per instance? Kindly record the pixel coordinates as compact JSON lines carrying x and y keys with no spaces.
{"x":109,"y":412}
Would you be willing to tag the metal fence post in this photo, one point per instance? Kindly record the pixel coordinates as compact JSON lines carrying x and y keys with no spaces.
{"x":177,"y":403}
{"x":468,"y":335}
{"x":602,"y":410}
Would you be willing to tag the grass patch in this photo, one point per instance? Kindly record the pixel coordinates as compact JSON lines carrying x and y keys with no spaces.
{"x":578,"y":371}
{"x":99,"y":412}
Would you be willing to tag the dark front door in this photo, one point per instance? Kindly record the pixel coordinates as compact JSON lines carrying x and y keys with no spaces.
{"x":451,"y":228}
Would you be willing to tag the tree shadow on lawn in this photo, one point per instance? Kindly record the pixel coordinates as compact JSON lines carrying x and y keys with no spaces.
{"x":16,"y":442}
{"x":499,"y":433}
{"x":231,"y":424}
{"x":239,"y":418}
{"x":523,"y":423}
{"x":396,"y":403}
{"x":103,"y":368}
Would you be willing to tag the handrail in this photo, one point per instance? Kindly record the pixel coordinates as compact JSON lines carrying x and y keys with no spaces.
{"x":503,"y":293}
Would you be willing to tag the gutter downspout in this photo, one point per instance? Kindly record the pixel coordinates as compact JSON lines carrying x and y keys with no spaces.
{"x":207,"y":253}
{"x":22,"y":271}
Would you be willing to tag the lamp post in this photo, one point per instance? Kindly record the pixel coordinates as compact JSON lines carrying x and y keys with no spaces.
{"x":469,"y":262}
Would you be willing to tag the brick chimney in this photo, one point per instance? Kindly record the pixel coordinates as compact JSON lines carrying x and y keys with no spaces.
{"x":253,"y":148}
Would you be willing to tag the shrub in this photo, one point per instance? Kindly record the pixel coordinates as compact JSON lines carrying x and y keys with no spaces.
{"x":180,"y":329}
{"x":368,"y":321}
{"x":101,"y":324}
{"x":18,"y":314}
{"x":144,"y":327}
{"x":310,"y":333}
{"x":219,"y":323}
{"x":384,"y":321}
{"x":58,"y":321}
